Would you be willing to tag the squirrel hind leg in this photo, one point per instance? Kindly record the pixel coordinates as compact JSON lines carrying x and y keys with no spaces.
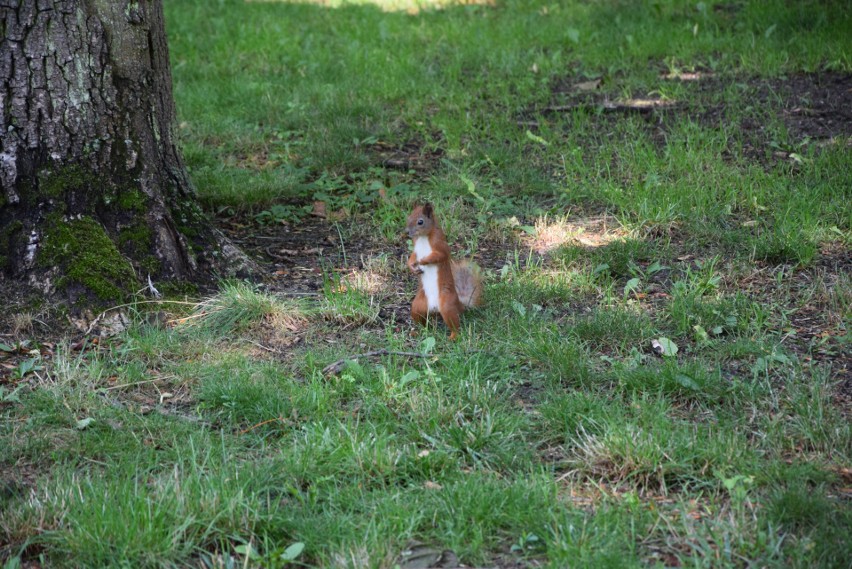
{"x":451,"y":319}
{"x":420,"y":308}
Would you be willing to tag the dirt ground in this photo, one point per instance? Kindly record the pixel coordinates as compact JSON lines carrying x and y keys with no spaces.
{"x":813,"y":107}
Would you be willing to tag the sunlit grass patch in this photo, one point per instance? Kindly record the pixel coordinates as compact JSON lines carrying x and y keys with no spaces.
{"x":658,"y":454}
{"x":408,"y":6}
{"x":346,"y":304}
{"x":373,"y":279}
{"x":550,"y":234}
{"x":142,"y":516}
{"x":526,"y":284}
{"x":240,"y":306}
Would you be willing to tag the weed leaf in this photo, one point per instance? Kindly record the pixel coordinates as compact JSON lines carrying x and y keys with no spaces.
{"x":413,"y":375}
{"x":292,"y":552}
{"x":573,"y":34}
{"x":471,"y":187}
{"x":631,"y":285}
{"x":600,"y":268}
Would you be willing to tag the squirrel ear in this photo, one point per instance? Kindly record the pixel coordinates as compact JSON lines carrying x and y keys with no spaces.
{"x":427,"y":210}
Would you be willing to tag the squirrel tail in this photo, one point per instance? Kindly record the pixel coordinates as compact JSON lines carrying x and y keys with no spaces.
{"x":468,"y":279}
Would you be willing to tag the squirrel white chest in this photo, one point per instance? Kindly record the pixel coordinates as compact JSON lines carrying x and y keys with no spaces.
{"x":429,"y":277}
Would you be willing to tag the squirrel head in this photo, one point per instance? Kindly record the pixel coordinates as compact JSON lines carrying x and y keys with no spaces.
{"x":421,"y":221}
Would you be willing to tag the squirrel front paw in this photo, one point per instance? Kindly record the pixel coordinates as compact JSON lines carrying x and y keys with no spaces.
{"x":415,"y":268}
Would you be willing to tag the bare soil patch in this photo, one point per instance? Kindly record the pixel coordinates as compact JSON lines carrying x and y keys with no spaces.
{"x":817,"y":334}
{"x":815,"y":107}
{"x":296,"y":257}
{"x":410,"y":155}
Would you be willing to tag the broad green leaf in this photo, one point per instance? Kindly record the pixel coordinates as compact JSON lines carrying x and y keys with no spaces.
{"x":410,"y":376}
{"x":655,"y":267}
{"x":780,"y":358}
{"x":248,"y":551}
{"x":471,"y":187}
{"x":292,"y":552}
{"x":631,"y":285}
{"x":573,"y":35}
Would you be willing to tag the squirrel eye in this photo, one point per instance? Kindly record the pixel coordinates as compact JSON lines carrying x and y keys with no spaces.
{"x":420,"y":221}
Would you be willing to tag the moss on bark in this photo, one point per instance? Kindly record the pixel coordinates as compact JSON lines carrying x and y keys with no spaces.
{"x":55,"y":183}
{"x":86,"y":256}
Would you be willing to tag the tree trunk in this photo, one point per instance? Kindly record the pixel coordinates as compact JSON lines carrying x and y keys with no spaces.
{"x":95,"y":196}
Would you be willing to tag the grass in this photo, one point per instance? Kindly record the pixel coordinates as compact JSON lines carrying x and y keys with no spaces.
{"x":551,"y":434}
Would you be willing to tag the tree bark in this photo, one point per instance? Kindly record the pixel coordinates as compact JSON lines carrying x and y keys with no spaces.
{"x":95,"y":196}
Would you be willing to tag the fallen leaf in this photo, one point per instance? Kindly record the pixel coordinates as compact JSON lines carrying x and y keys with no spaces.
{"x":844,"y":473}
{"x":338,"y":215}
{"x":319,"y":209}
{"x":588,"y":85}
{"x":418,"y":555}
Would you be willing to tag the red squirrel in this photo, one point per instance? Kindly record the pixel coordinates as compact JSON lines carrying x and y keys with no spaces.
{"x":446,"y":286}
